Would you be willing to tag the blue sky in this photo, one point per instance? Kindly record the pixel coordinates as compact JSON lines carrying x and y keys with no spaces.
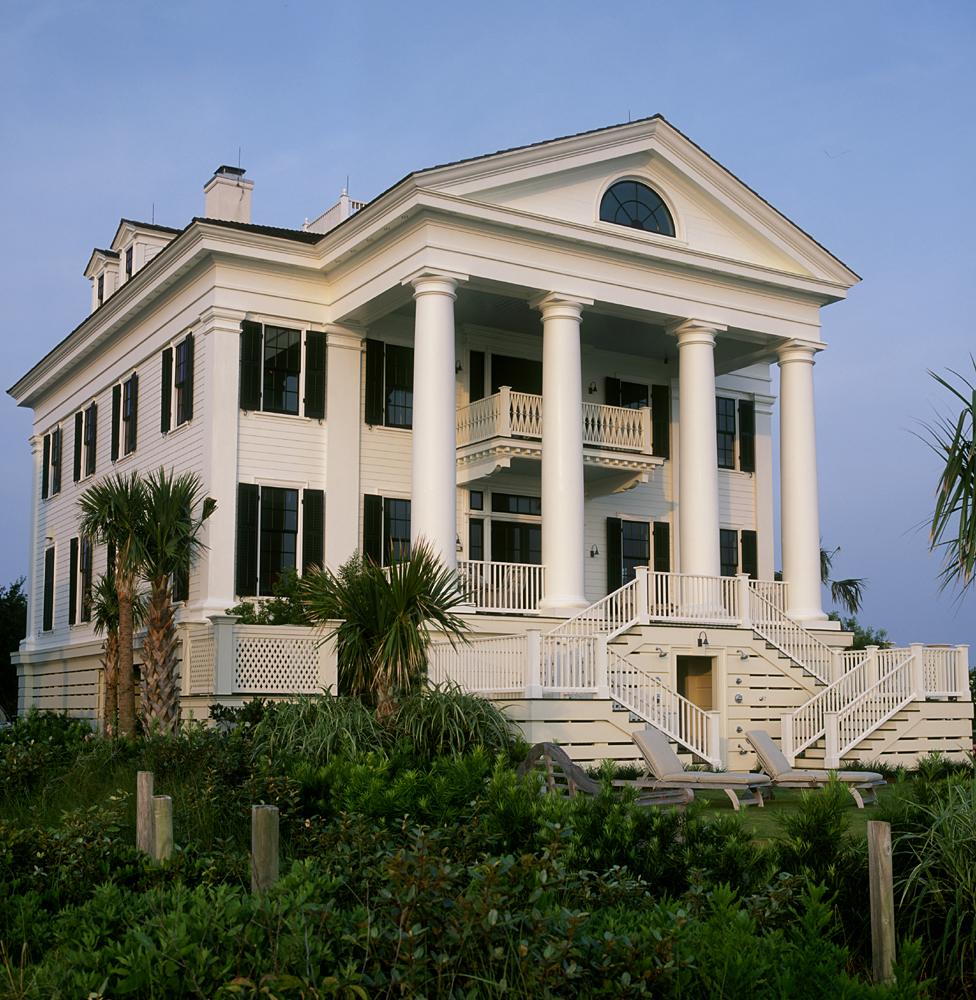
{"x":855,"y":120}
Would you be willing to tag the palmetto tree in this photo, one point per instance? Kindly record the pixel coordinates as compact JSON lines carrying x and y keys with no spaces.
{"x":169,"y":542}
{"x":385,"y":618}
{"x":953,"y":528}
{"x":847,"y":593}
{"x":105,"y":619}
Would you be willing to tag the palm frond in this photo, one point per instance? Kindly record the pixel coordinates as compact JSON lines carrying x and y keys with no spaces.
{"x":848,"y":593}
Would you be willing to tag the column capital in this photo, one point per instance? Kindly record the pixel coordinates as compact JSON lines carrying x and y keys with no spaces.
{"x":798,"y":350}
{"x":345,"y":335}
{"x":434,"y":280}
{"x":221,"y":318}
{"x":696,"y":331}
{"x":558,"y":304}
{"x":764,"y":404}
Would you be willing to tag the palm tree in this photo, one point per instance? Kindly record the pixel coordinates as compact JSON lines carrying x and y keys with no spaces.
{"x":170,"y":541}
{"x":848,"y":593}
{"x":105,"y":619}
{"x":953,"y":528}
{"x":385,"y":617}
{"x":113,"y":512}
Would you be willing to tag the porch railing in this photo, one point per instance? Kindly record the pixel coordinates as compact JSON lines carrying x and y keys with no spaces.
{"x":516,"y":588}
{"x":687,"y":597}
{"x":493,"y":664}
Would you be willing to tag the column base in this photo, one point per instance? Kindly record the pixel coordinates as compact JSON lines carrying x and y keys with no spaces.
{"x":562,"y":606}
{"x":810,"y":617}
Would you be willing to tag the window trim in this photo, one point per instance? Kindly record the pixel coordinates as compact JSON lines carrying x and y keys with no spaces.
{"x":304,"y":331}
{"x":652,"y":185}
{"x":125,"y":438}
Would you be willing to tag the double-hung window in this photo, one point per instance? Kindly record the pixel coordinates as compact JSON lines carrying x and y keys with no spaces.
{"x":86,"y":433}
{"x":735,"y":425}
{"x":389,"y":384}
{"x":738,"y":552}
{"x":274,"y":360}
{"x":51,"y":463}
{"x":512,"y":532}
{"x":79,"y":580}
{"x":632,"y":544}
{"x":386,"y":529}
{"x":47,"y":613}
{"x":125,"y":417}
{"x":177,"y":380}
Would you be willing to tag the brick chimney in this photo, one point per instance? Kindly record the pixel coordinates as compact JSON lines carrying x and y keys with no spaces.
{"x":227,"y":195}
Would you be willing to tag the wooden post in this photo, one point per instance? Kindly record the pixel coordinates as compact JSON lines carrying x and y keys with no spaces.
{"x":144,"y":812}
{"x":882,"y":900}
{"x":533,"y":663}
{"x":264,"y":847}
{"x":162,"y":827}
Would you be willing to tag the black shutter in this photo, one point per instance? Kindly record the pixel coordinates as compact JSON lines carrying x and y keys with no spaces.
{"x":750,"y":555}
{"x":132,"y":426}
{"x":250,"y":387}
{"x":374,"y":382}
{"x":56,"y":442}
{"x":73,"y":581}
{"x":661,"y":420}
{"x":110,"y":563}
{"x":188,"y":380}
{"x":79,"y":432}
{"x":313,"y":529}
{"x":166,"y":394}
{"x":181,"y":584}
{"x":247,"y":539}
{"x":476,"y":376}
{"x":116,"y":419}
{"x":615,"y":567}
{"x":91,"y":438}
{"x":612,"y":391}
{"x":315,"y":375}
{"x":662,"y":547}
{"x":373,"y":528}
{"x":747,"y":435}
{"x":46,"y":468}
{"x":47,"y":622}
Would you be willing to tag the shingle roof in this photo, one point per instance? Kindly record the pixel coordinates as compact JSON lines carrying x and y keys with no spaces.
{"x":298,"y":235}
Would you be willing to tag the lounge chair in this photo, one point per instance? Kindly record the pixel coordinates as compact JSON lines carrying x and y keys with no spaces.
{"x":563,"y":777}
{"x":863,"y":785}
{"x":663,"y":763}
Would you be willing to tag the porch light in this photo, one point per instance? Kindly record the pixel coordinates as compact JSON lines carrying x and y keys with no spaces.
{"x":457,"y":543}
{"x":660,"y":652}
{"x":594,"y":552}
{"x":591,"y":388}
{"x":458,"y":368}
{"x":702,"y":639}
{"x":743,"y":655}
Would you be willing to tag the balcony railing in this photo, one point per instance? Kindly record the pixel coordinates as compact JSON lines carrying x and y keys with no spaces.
{"x":516,"y":588}
{"x":511,"y":414}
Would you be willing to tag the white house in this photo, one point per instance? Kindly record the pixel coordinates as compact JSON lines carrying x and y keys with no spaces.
{"x":554,"y":363}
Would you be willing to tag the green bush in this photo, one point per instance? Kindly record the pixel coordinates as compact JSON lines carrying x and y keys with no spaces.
{"x":35,"y":746}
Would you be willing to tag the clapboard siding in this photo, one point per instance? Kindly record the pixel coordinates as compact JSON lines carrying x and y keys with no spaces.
{"x":276,"y":447}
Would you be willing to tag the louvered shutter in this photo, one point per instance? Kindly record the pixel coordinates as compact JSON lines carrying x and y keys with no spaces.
{"x":166,"y":393}
{"x":612,"y":391}
{"x":187,"y":396}
{"x":56,"y":449}
{"x":313,"y":529}
{"x":747,"y":435}
{"x":662,"y":547}
{"x":373,"y":528}
{"x":315,"y":375}
{"x":116,"y":419}
{"x":79,"y":435}
{"x":374,"y":382}
{"x":47,"y":620}
{"x":46,"y":468}
{"x":132,"y":424}
{"x":661,"y":420}
{"x":615,"y":566}
{"x":247,"y":540}
{"x":73,"y":581}
{"x":250,"y":382}
{"x":91,"y":438}
{"x":750,"y":554}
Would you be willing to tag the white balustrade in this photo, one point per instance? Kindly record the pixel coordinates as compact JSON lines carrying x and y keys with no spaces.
{"x":480,"y":420}
{"x":607,"y":617}
{"x":774,"y":591}
{"x":946,"y":671}
{"x":618,"y":427}
{"x":689,"y":597}
{"x":570,"y":663}
{"x":778,"y":629}
{"x":496,"y":664}
{"x":502,"y":586}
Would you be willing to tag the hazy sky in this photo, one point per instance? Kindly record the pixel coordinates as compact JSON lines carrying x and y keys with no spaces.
{"x":854,"y":119}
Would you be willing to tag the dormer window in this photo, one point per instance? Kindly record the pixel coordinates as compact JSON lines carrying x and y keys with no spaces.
{"x":128,"y":263}
{"x":101,"y":289}
{"x":635,"y":205}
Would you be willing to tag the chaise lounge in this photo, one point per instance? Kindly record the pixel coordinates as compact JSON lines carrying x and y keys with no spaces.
{"x":664,"y":764}
{"x":862,"y":785}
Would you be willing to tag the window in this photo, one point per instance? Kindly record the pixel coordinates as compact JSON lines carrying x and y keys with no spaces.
{"x":389,"y":384}
{"x":101,"y":289}
{"x":635,"y":205}
{"x":47,"y":615}
{"x":79,"y":580}
{"x":729,"y":551}
{"x":270,"y":535}
{"x":635,"y":548}
{"x":180,"y":379}
{"x":728,"y":432}
{"x":85,"y":438}
{"x":51,"y":464}
{"x":629,"y":546}
{"x":510,"y":503}
{"x":476,"y":500}
{"x":386,"y":529}
{"x":128,"y":262}
{"x":125,"y":416}
{"x":633,"y":395}
{"x":476,"y":538}
{"x":636,"y":395}
{"x":516,"y":542}
{"x":271,"y":370}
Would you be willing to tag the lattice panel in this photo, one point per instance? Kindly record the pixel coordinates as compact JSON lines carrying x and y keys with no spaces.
{"x":201,"y":661}
{"x":277,"y":664}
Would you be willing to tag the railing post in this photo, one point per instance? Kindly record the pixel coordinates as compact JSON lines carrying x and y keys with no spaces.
{"x":836,"y":665}
{"x":602,"y":667}
{"x":533,"y":663}
{"x":145,"y":826}
{"x":505,"y":411}
{"x":962,"y":672}
{"x":831,"y":740}
{"x":917,"y":667}
{"x":185,"y":648}
{"x":648,"y":441}
{"x":713,"y":727}
{"x":742,"y":596}
{"x":786,"y":739}
{"x":643,"y":582}
{"x":870,"y":666}
{"x":224,"y":653}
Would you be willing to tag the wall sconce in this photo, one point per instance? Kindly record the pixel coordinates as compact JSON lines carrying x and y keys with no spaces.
{"x":457,"y":543}
{"x":702,"y":639}
{"x":594,"y":552}
{"x":458,"y":368}
{"x":660,"y":652}
{"x":591,"y":388}
{"x":743,"y":655}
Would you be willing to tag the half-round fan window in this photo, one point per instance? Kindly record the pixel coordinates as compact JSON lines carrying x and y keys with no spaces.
{"x":628,"y":203}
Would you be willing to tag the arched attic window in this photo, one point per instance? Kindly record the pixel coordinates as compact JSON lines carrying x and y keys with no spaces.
{"x":629,"y":203}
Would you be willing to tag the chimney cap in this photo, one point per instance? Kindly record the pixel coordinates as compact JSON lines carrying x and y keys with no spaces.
{"x":229,"y":171}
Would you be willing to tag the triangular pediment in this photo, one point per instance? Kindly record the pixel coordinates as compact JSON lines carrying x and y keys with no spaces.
{"x":715,"y":213}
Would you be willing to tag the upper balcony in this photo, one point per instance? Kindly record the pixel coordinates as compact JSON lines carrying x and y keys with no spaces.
{"x":504,"y":431}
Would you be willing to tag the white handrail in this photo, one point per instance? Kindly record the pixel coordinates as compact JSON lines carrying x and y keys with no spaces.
{"x":493,"y":664}
{"x":503,"y":586}
{"x":619,"y":427}
{"x":802,"y":728}
{"x":607,"y":617}
{"x":689,"y":597}
{"x":778,"y":629}
{"x":570,"y":663}
{"x":647,"y":696}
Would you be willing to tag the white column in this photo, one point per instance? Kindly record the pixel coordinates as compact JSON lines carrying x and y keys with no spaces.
{"x":220,"y":338}
{"x":343,"y":436}
{"x":433,"y":509}
{"x":34,"y":580}
{"x":698,"y":515}
{"x":763,"y":480}
{"x":562,"y":454}
{"x":798,"y":482}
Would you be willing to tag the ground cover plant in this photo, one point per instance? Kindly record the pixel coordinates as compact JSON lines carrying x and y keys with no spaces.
{"x":415,"y":867}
